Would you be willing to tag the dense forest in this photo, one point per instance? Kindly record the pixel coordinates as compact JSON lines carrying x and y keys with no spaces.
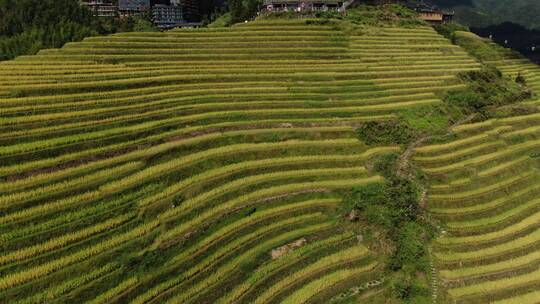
{"x":26,"y":26}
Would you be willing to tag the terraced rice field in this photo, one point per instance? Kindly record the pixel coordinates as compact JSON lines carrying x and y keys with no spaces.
{"x":486,"y":196}
{"x":512,"y":65}
{"x":165,"y":167}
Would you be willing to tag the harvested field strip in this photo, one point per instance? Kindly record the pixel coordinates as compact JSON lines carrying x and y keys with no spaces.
{"x":528,"y":298}
{"x":159,"y":147}
{"x":527,"y":131}
{"x":62,"y":241}
{"x":228,"y":170}
{"x":206,"y":77}
{"x":251,"y":199}
{"x":13,"y":234}
{"x":448,"y":198}
{"x":485,"y":270}
{"x":53,"y":293}
{"x":314,"y":288}
{"x":19,"y":81}
{"x":36,"y":180}
{"x":504,"y":166}
{"x":276,"y":265}
{"x":497,"y":219}
{"x":206,"y":264}
{"x":529,"y":222}
{"x":259,"y":217}
{"x":488,"y":251}
{"x":229,"y":230}
{"x":113,"y":293}
{"x":157,"y":171}
{"x":462,"y":153}
{"x":151,"y":125}
{"x":221,"y":273}
{"x":452,"y":146}
{"x":490,"y":205}
{"x":191,"y":105}
{"x":39,"y":271}
{"x":500,"y":250}
{"x":496,"y":286}
{"x":203,"y":199}
{"x":178,"y":89}
{"x":476,"y":161}
{"x":10,"y":201}
{"x":342,"y":257}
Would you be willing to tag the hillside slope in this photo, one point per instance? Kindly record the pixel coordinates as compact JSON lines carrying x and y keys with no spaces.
{"x":166,"y":167}
{"x":484,"y":190}
{"x":482,"y":13}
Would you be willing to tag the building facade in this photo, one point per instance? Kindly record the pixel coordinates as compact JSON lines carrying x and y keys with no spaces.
{"x":167,"y":16}
{"x":190,"y":9}
{"x":431,"y":13}
{"x":130,"y":7}
{"x":101,"y":8}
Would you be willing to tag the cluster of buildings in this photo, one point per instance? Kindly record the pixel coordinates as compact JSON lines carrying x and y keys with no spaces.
{"x":165,"y":13}
{"x":427,"y":12}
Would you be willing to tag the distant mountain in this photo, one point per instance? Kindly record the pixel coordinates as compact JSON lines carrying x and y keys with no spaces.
{"x":515,"y":36}
{"x":482,"y":13}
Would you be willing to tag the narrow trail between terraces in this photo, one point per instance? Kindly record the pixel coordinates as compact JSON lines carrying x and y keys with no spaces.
{"x":405,"y":170}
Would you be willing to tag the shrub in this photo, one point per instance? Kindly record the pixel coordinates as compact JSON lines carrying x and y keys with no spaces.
{"x":487,"y":89}
{"x":242,"y":10}
{"x":520,"y":79}
{"x":385,"y":165}
{"x":368,"y":195}
{"x":385,"y":133}
{"x":410,"y":239}
{"x":386,"y":204}
{"x":411,"y":291}
{"x":447,"y":30}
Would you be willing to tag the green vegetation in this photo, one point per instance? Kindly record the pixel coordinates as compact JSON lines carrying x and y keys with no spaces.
{"x":221,"y":165}
{"x":243,"y":10}
{"x":484,"y":177}
{"x":394,"y":206}
{"x":385,"y":133}
{"x":27,"y":26}
{"x":488,"y":89}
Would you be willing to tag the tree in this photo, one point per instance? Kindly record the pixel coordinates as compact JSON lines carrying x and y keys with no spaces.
{"x":26,"y":26}
{"x":242,"y":10}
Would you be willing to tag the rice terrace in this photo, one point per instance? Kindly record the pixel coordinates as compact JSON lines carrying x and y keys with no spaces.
{"x":358,"y":156}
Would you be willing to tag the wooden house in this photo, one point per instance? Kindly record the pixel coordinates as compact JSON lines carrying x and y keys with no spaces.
{"x":432,"y":13}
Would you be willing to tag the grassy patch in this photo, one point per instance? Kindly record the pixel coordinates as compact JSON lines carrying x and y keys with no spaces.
{"x":429,"y":119}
